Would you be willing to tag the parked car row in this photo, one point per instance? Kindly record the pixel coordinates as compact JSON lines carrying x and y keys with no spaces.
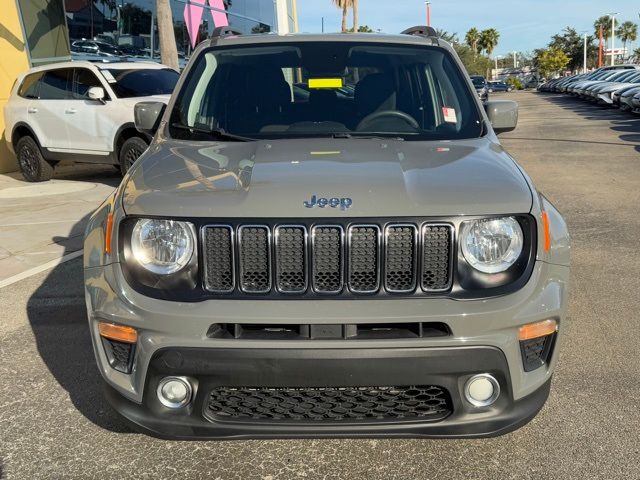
{"x":82,"y":112}
{"x":616,"y":86}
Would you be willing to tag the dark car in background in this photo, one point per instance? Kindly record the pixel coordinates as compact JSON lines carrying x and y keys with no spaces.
{"x":480,"y":84}
{"x":498,"y":87}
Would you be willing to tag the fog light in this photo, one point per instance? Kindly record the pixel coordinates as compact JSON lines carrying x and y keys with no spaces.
{"x":174,"y":392}
{"x":482,"y":390}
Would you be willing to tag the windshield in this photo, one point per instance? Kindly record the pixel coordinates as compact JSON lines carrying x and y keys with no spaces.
{"x":315,"y":89}
{"x":141,"y":82}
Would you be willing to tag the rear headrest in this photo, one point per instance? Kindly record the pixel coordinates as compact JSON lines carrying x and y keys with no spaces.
{"x":375,"y":92}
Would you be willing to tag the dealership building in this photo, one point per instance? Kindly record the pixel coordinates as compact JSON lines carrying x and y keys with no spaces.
{"x":37,"y":32}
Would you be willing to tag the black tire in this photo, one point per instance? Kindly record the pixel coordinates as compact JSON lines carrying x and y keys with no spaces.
{"x":32,"y":164}
{"x":131,"y":149}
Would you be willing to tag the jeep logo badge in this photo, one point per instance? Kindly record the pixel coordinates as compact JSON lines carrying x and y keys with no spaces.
{"x":343,"y":203}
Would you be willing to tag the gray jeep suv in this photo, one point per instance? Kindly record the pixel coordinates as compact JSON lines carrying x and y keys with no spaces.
{"x":364,"y":260}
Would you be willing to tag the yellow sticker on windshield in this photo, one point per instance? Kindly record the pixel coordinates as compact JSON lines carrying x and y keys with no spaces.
{"x":325,"y":83}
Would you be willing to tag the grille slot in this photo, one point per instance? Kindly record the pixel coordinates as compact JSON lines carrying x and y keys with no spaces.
{"x":328,"y":404}
{"x":437,"y":256}
{"x":291,"y":259}
{"x":400,"y":258}
{"x":219,"y":264}
{"x":255,"y":258}
{"x":364,"y":258}
{"x":328,"y":258}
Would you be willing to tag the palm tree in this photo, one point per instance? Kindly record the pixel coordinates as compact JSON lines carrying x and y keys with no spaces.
{"x":605,"y":23}
{"x":344,"y":5}
{"x":472,"y":38}
{"x":166,"y":35}
{"x":356,"y":22}
{"x":489,"y":40}
{"x":627,"y":32}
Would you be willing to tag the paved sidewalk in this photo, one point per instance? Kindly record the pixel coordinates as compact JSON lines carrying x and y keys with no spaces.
{"x":40,"y":222}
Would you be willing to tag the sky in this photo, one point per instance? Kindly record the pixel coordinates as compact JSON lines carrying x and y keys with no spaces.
{"x":524,"y":25}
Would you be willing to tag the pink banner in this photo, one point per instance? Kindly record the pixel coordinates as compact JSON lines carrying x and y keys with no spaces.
{"x":193,"y":17}
{"x":219,"y":18}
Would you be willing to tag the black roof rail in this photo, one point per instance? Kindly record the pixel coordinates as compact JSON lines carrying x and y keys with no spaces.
{"x":224,"y":32}
{"x":421,"y":31}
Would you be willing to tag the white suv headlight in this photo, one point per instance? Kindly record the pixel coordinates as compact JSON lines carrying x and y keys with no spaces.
{"x":162,"y":246}
{"x":491,"y":245}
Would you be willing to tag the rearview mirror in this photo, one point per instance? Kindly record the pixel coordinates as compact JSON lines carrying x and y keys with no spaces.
{"x":147,"y":116}
{"x":503,"y":115}
{"x":96,"y":93}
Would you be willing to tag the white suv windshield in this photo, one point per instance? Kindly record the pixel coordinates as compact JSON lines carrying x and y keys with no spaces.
{"x":326,"y":88}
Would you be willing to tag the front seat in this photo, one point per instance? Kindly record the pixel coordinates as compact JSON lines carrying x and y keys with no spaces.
{"x":375,"y":93}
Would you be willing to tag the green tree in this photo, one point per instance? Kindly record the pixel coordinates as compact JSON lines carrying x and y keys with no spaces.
{"x":489,"y":40}
{"x":627,"y":32}
{"x":474,"y":64}
{"x":446,"y":36}
{"x":472,"y":38}
{"x":362,"y":29}
{"x":572,"y":43}
{"x":605,"y":22}
{"x":551,"y":61}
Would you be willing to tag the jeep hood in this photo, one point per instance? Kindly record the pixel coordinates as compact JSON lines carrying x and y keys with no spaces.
{"x":273,"y":178}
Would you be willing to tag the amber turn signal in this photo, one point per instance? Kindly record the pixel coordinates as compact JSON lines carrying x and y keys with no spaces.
{"x":108,"y":233}
{"x":538,"y":329}
{"x":547,"y":231}
{"x":119,"y":333}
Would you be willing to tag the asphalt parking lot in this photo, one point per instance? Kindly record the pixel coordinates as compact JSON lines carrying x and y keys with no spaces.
{"x":586,"y":159}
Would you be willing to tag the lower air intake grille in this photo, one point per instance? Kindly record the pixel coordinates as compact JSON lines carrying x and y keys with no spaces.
{"x":119,"y":354}
{"x":436,"y":257}
{"x":535,"y":352}
{"x":329,"y":404}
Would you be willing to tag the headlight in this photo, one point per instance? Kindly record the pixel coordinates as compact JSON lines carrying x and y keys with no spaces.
{"x":162,"y":246}
{"x":491,"y":245}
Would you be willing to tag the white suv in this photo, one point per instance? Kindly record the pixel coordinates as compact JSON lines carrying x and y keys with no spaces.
{"x":82,"y":112}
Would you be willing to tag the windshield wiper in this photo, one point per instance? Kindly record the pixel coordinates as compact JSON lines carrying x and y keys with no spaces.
{"x":365,"y":136}
{"x":214,"y":132}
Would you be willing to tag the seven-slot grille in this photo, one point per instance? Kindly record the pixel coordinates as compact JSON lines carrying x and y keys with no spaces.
{"x":328,"y":259}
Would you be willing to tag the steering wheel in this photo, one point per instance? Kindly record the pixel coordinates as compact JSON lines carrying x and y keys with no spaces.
{"x":387,"y":113}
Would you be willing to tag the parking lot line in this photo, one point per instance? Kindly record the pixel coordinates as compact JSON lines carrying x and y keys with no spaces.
{"x":40,"y":268}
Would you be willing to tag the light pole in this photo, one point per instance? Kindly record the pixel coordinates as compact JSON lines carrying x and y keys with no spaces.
{"x":515,"y":59}
{"x":428,"y":4}
{"x":495,"y":77}
{"x":584,"y":59}
{"x":613,"y":35}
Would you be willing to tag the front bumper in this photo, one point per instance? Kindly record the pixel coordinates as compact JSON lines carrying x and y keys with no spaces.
{"x":448,"y":368}
{"x":483,"y":340}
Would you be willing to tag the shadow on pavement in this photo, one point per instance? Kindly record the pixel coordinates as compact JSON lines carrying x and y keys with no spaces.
{"x":58,"y":318}
{"x":626,"y":124}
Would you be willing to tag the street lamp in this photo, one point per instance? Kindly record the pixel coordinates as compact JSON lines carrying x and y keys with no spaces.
{"x":584,"y":59}
{"x":428,"y":4}
{"x":613,"y":35}
{"x":495,"y":77}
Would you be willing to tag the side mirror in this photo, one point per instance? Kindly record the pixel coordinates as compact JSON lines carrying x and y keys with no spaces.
{"x":147,"y":116}
{"x":96,"y":93}
{"x":503,"y":115}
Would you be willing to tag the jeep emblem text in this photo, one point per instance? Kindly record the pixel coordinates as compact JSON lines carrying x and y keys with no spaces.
{"x":334,"y":202}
